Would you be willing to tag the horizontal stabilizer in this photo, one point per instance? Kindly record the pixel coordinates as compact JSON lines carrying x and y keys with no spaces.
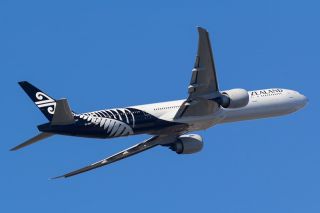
{"x":62,"y":114}
{"x":35,"y":139}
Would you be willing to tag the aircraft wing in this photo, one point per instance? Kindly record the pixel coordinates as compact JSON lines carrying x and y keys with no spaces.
{"x":204,"y":78}
{"x":203,"y":84}
{"x":140,"y":147}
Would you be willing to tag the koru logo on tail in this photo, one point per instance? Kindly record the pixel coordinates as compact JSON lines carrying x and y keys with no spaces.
{"x":45,"y":101}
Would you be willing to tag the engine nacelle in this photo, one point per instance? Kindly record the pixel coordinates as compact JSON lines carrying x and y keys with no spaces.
{"x":234,"y":98}
{"x":187,"y":144}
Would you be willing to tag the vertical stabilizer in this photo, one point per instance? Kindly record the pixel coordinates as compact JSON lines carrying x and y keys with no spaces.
{"x":44,"y":102}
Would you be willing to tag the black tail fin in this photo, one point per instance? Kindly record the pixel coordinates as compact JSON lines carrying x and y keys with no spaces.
{"x":44,"y":102}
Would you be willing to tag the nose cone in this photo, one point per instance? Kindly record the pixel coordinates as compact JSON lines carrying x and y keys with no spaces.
{"x":302,"y":100}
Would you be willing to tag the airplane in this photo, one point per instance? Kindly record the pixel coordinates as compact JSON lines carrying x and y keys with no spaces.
{"x":168,"y":123}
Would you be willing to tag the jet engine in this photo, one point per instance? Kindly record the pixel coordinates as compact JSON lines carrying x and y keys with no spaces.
{"x":187,"y":144}
{"x":234,"y":98}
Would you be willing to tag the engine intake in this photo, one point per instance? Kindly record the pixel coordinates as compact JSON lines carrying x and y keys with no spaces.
{"x":187,"y":144}
{"x":234,"y":98}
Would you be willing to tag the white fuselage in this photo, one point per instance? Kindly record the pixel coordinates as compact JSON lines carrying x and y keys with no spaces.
{"x":262,"y":104}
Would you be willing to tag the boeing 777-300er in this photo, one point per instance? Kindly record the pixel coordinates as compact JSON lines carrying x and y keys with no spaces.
{"x":168,"y":123}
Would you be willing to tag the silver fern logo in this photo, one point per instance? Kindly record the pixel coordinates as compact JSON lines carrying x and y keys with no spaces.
{"x":45,"y":101}
{"x":116,"y":122}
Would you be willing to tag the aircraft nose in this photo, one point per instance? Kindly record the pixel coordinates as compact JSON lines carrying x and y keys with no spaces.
{"x":303,"y":100}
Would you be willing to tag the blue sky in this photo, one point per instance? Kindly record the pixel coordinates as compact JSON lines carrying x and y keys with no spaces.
{"x":102,"y":54}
